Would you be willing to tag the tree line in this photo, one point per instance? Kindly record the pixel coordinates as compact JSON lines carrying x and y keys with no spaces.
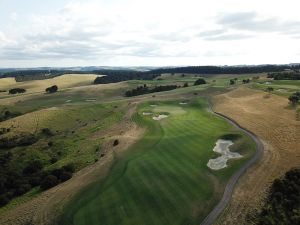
{"x":282,"y":204}
{"x":141,"y":90}
{"x":226,"y":69}
{"x":14,"y":183}
{"x":114,"y":76}
{"x":293,"y":75}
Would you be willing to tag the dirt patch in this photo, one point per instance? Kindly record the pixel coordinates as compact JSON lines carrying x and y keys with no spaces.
{"x":43,"y":209}
{"x":275,"y":124}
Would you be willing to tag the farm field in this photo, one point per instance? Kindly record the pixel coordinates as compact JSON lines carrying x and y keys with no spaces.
{"x":162,"y":179}
{"x":63,"y":82}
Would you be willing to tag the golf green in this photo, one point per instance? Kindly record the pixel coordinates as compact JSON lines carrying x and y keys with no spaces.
{"x":163,"y":178}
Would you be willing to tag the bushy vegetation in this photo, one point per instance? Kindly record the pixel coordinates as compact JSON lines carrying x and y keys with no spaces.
{"x":292,"y":75}
{"x":200,"y":81}
{"x":18,"y":140}
{"x":14,"y":182}
{"x":294,"y":98}
{"x":52,"y":89}
{"x":6,"y":114}
{"x":282,"y":205}
{"x":17,"y":91}
{"x":141,"y":90}
{"x":246,"y":81}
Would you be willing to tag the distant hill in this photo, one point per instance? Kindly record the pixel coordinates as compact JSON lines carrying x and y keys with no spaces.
{"x":117,"y":74}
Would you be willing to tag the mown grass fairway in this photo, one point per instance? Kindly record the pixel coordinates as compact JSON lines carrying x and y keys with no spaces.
{"x":163,"y":178}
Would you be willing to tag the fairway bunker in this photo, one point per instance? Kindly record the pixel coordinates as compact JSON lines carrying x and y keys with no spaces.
{"x":183,"y":103}
{"x":159,"y":117}
{"x":222,"y":147}
{"x":153,"y":105}
{"x":147,"y":113}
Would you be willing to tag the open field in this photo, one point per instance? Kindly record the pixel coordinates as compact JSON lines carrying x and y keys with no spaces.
{"x":63,"y":82}
{"x":275,"y":123}
{"x":169,"y":161}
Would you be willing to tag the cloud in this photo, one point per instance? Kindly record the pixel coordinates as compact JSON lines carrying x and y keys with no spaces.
{"x":253,"y":22}
{"x":229,"y":37}
{"x":132,"y":31}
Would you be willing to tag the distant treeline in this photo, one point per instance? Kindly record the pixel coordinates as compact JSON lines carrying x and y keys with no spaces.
{"x":282,"y":205}
{"x":226,"y":69}
{"x":141,"y":90}
{"x":293,"y":75}
{"x":114,"y":76}
{"x":27,"y":75}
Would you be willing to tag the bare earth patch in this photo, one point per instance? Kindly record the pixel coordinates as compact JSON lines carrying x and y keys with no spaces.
{"x":276,"y":125}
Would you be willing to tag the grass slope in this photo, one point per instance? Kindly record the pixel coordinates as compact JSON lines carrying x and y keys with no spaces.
{"x":162,"y":179}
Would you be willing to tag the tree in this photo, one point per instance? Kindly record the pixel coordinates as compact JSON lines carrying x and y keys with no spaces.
{"x":200,"y":81}
{"x":186,"y":84}
{"x":16,"y":91}
{"x":245,"y":81}
{"x":52,"y":89}
{"x":294,"y":99}
{"x":231,"y":82}
{"x":270,"y":89}
{"x":116,"y":142}
{"x":49,"y":182}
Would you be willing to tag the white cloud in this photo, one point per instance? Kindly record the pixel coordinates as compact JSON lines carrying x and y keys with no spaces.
{"x":140,"y":32}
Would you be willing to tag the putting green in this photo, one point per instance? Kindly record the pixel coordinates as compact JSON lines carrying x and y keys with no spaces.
{"x":162,"y":179}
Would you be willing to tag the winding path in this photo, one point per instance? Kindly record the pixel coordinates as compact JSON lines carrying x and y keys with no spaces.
{"x":213,"y":215}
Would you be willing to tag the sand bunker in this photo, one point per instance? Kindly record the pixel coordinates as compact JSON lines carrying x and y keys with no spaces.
{"x":90,"y":100}
{"x":222,"y":147}
{"x":182,"y":103}
{"x":159,"y":117}
{"x":68,"y":101}
{"x":147,"y":113}
{"x":153,"y":105}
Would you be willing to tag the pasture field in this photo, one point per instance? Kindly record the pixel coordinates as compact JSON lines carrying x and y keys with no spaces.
{"x":163,"y":178}
{"x":64,"y":81}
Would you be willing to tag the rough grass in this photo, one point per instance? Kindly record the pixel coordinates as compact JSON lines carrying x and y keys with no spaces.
{"x":64,"y":81}
{"x":163,"y":179}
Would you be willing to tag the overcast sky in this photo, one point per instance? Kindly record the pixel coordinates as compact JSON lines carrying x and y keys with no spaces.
{"x":37,"y":33}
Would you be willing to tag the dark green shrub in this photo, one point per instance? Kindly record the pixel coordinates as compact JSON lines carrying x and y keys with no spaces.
{"x":49,"y":182}
{"x":200,"y":81}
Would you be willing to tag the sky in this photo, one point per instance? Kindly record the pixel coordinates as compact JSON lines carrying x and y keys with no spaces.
{"x":64,"y":33}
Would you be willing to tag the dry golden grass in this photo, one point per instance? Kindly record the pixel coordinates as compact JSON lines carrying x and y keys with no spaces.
{"x":31,"y":122}
{"x":275,"y":124}
{"x":64,"y":81}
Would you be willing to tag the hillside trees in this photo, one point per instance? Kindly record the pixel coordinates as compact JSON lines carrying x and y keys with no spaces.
{"x":16,"y":91}
{"x":294,"y":98}
{"x":200,"y":81}
{"x":141,"y":90}
{"x":52,"y":89}
{"x":282,"y":205}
